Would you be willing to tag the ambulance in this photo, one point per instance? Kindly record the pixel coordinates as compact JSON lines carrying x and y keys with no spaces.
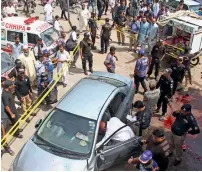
{"x":29,"y":30}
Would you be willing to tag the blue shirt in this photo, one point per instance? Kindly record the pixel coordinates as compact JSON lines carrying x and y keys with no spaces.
{"x":41,"y":81}
{"x":135,"y":27}
{"x":49,"y":65}
{"x":16,"y":50}
{"x":199,"y":13}
{"x":40,"y":67}
{"x":151,"y":167}
{"x":141,"y":66}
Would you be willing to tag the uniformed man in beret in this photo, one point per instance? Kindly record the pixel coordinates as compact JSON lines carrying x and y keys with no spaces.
{"x":184,"y":124}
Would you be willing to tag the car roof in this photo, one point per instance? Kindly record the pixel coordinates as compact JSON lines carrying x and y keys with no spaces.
{"x":87,"y":98}
{"x":190,"y":2}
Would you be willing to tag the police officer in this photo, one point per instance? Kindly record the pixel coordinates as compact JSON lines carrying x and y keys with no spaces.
{"x":93,"y":28}
{"x":120,"y":23}
{"x":178,"y":71}
{"x":105,"y":36}
{"x":38,"y":49}
{"x":85,"y":53}
{"x":140,"y":71}
{"x":165,"y":84}
{"x":184,"y":120}
{"x":157,"y":53}
{"x":40,"y":68}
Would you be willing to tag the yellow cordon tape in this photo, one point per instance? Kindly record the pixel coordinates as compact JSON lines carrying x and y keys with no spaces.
{"x":21,"y":121}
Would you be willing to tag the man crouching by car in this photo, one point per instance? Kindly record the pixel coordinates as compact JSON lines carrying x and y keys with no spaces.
{"x":44,"y":85}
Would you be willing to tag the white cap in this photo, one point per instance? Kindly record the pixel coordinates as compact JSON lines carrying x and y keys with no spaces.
{"x":25,"y":47}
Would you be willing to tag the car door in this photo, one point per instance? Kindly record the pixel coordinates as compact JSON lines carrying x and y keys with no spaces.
{"x":109,"y":156}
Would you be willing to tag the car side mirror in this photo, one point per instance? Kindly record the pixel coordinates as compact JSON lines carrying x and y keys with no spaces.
{"x":38,"y":123}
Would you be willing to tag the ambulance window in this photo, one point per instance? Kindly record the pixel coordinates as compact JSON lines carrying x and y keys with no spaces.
{"x":32,"y":38}
{"x":11,"y":36}
{"x":3,"y":34}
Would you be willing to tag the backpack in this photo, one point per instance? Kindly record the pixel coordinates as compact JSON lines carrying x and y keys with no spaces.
{"x":70,"y":44}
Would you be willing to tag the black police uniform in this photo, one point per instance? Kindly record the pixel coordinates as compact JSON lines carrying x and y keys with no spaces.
{"x":106,"y":33}
{"x":156,"y":53}
{"x":177,"y":75}
{"x":166,"y":88}
{"x":180,"y":127}
{"x":93,"y":28}
{"x":87,"y":55}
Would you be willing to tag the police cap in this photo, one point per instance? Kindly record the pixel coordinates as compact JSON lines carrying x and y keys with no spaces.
{"x":168,"y":70}
{"x":186,"y":108}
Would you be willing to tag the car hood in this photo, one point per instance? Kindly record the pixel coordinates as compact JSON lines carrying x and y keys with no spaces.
{"x":33,"y":158}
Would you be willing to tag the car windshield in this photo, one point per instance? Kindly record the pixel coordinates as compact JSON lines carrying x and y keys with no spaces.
{"x":194,"y":8}
{"x":68,"y":131}
{"x":6,"y":63}
{"x":50,"y":36}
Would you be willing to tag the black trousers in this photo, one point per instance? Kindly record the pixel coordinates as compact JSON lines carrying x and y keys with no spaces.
{"x":106,"y":7}
{"x":104,"y":44}
{"x":175,"y":84}
{"x":164,"y":102}
{"x":63,"y":13}
{"x":137,"y":81}
{"x":156,"y":63}
{"x":93,"y":36}
{"x":13,"y":121}
{"x":90,"y":62}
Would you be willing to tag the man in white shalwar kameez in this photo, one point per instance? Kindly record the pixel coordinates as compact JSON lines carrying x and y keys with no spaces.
{"x":62,"y":60}
{"x":28,"y":60}
{"x":48,"y":12}
{"x":83,"y":17}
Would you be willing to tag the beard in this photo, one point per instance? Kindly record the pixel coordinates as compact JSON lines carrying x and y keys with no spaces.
{"x":26,"y":54}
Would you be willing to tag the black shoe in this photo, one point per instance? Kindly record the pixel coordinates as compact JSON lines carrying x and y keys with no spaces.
{"x":156,"y":111}
{"x":20,"y":130}
{"x":33,"y":114}
{"x":27,"y":120}
{"x":91,"y":70}
{"x":123,"y":44}
{"x":64,"y":85}
{"x":105,"y":52}
{"x":85,"y":72}
{"x":8,"y":149}
{"x":176,"y":162}
{"x":19,"y":136}
{"x":101,"y":52}
{"x":119,"y":43}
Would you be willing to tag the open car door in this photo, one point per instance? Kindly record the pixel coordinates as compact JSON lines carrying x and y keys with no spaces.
{"x":108,"y":156}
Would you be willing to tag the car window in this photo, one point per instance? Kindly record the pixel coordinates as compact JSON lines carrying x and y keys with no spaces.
{"x":68,"y":131}
{"x":116,"y":103}
{"x":3,"y":34}
{"x":194,"y":8}
{"x":6,"y":63}
{"x":12,"y":34}
{"x":32,"y":38}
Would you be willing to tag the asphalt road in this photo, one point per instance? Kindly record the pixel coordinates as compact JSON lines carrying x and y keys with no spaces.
{"x":192,"y":157}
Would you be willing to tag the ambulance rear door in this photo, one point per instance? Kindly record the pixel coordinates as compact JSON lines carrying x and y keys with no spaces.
{"x":196,"y":42}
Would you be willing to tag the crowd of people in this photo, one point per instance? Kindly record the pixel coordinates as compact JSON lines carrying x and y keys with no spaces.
{"x":35,"y":69}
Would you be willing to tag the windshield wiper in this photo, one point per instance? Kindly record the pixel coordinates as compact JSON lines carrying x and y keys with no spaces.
{"x":57,"y":150}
